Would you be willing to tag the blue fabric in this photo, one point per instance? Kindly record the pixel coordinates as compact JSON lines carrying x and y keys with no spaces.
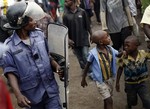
{"x":31,"y":65}
{"x":48,"y":103}
{"x":81,"y":53}
{"x":95,"y":65}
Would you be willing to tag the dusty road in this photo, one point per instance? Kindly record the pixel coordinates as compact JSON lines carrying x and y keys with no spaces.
{"x":88,"y":98}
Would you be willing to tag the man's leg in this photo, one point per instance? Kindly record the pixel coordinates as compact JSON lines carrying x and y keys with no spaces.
{"x":85,"y":51}
{"x":81,"y":53}
{"x":78,"y":52}
{"x":125,"y":32}
{"x":116,"y":40}
{"x":97,"y":10}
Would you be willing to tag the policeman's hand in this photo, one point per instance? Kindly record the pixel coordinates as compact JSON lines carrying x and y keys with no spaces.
{"x":117,"y":87}
{"x":23,"y":101}
{"x":60,"y":71}
{"x":83,"y":83}
{"x":71,"y":43}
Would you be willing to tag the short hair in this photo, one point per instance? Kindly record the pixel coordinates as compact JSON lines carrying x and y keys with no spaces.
{"x":134,"y":38}
{"x":96,"y":34}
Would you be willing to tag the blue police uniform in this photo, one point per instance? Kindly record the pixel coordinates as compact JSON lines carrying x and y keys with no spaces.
{"x":31,"y":65}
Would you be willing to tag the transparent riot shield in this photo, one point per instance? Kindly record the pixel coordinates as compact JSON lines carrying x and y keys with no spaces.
{"x":58,"y":46}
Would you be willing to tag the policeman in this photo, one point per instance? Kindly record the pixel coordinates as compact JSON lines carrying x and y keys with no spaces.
{"x":27,"y":63}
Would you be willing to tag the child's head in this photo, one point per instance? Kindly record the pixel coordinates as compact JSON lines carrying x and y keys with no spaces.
{"x":101,"y":38}
{"x":131,"y":44}
{"x":69,"y":3}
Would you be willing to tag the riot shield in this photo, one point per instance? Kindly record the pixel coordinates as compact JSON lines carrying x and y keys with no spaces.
{"x":58,"y":47}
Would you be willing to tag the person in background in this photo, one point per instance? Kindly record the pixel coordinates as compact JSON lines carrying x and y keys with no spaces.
{"x":116,"y":20}
{"x":97,"y":11}
{"x":5,"y":100}
{"x":133,"y":9}
{"x":146,"y":24}
{"x":79,"y":29}
{"x":134,"y":65}
{"x":4,"y":4}
{"x":102,"y":60}
{"x":27,"y":64}
{"x":54,"y":4}
{"x":87,"y":6}
{"x":43,"y":23}
{"x":4,"y":33}
{"x":59,"y":11}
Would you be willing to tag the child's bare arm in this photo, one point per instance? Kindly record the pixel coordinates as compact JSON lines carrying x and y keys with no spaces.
{"x":119,"y":73}
{"x":83,"y":82}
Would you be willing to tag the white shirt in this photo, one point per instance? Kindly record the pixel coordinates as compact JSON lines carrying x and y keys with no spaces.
{"x":146,"y":16}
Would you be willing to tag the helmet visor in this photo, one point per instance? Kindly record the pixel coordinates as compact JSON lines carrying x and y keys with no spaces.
{"x":34,"y":11}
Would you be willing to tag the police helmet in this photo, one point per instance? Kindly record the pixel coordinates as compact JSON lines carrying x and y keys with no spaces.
{"x":15,"y":16}
{"x":19,"y":13}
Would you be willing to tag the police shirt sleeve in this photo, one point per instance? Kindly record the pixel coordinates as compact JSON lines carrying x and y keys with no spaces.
{"x":9,"y":64}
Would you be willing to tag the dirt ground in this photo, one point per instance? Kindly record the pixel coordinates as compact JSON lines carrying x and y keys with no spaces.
{"x":88,"y":97}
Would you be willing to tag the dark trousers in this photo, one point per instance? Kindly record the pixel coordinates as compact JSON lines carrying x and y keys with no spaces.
{"x":81,"y":53}
{"x":135,"y":90}
{"x":97,"y":10}
{"x":118,"y":38}
{"x":48,"y":103}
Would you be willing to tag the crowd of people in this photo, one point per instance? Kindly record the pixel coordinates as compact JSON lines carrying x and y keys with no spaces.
{"x":29,"y":67}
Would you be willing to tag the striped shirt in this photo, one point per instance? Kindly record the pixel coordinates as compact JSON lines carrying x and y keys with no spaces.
{"x":105,"y":63}
{"x":135,"y":70}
